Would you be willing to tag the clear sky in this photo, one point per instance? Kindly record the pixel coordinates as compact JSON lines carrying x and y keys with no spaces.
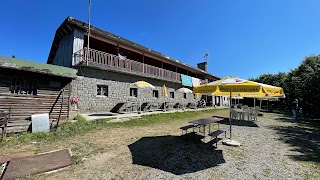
{"x":243,"y":38}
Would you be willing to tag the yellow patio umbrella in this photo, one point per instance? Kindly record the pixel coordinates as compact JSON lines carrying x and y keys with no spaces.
{"x":143,"y":84}
{"x":164,"y":91}
{"x":234,"y":86}
{"x":239,"y":87}
{"x":184,"y":90}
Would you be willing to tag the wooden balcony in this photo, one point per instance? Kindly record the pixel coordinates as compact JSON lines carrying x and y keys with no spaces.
{"x":124,"y":65}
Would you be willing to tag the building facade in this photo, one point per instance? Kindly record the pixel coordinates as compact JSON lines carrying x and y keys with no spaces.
{"x":111,"y":64}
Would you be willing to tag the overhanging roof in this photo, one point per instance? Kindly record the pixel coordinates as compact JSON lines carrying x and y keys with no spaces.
{"x":70,"y":24}
{"x":13,"y":63}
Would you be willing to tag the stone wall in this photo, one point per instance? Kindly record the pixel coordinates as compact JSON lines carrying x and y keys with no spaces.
{"x":85,"y":89}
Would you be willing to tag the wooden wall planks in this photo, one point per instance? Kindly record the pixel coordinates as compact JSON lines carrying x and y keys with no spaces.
{"x":47,"y":99}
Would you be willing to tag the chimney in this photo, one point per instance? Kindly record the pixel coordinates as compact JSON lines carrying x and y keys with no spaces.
{"x":203,"y":66}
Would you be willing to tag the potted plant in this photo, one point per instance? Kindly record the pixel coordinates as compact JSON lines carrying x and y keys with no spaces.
{"x":75,"y":102}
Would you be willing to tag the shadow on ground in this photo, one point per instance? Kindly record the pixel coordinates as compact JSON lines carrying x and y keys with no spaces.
{"x":303,"y":136}
{"x":239,"y":123}
{"x":102,"y":114}
{"x":175,"y":154}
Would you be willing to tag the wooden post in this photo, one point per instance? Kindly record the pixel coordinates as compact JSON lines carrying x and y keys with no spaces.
{"x":176,"y":73}
{"x":118,"y":50}
{"x":162,"y":68}
{"x":143,"y":63}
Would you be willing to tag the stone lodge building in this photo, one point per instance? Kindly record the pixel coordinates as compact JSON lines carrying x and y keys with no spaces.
{"x":108,"y":69}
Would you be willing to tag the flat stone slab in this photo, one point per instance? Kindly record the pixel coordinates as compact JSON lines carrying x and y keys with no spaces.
{"x":230,"y":142}
{"x":31,"y":165}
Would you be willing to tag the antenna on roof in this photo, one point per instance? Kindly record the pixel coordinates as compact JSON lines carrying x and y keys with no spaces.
{"x":206,"y":57}
{"x":87,"y":58}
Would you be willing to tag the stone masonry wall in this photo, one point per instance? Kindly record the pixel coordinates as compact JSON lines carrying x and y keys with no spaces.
{"x":85,"y":89}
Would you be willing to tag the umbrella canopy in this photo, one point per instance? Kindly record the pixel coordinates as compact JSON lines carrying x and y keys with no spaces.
{"x":239,"y":87}
{"x":143,"y":84}
{"x":234,"y":86}
{"x":184,"y":90}
{"x":164,"y":91}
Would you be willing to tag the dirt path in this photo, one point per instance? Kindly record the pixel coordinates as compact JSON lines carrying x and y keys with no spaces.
{"x":158,"y":152}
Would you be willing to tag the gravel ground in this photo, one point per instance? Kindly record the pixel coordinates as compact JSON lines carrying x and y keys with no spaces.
{"x":263,"y":154}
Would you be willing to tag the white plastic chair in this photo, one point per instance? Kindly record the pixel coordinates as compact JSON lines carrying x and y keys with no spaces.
{"x":234,"y":114}
{"x":255,"y":113}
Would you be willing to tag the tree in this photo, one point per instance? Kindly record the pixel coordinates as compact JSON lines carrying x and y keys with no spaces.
{"x":301,"y":83}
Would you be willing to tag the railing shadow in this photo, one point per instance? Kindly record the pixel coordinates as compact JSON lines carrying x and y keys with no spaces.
{"x":175,"y":154}
{"x":304,"y":137}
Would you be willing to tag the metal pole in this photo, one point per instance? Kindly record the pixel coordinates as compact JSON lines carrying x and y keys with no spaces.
{"x":87,"y":58}
{"x":230,"y":115}
{"x":206,"y":57}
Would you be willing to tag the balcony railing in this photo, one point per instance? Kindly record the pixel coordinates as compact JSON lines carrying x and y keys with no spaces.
{"x":122,"y":63}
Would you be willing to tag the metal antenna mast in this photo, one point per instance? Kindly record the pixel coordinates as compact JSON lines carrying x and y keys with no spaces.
{"x":87,"y":58}
{"x":206,"y":57}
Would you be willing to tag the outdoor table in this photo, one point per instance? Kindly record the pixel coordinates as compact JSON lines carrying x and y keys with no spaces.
{"x":242,"y":112}
{"x":206,"y":121}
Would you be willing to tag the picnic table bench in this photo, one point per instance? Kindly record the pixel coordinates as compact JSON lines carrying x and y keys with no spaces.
{"x":201,"y":123}
{"x":185,"y":128}
{"x":214,"y":135}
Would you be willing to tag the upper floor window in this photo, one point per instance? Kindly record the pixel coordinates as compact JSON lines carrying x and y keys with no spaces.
{"x":155,"y":93}
{"x":133,"y":92}
{"x":102,"y":90}
{"x":23,"y":86}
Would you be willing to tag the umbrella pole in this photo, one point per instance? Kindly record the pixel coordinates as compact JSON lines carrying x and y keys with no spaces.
{"x":230,"y":115}
{"x":260,"y":103}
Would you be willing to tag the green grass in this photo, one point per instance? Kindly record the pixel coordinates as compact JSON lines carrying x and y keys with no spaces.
{"x":67,"y":129}
{"x":161,"y":118}
{"x":81,"y":126}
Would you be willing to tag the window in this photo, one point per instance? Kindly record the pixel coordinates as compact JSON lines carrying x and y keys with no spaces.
{"x":133,"y":92}
{"x":155,"y":93}
{"x":102,"y":90}
{"x":172,"y":95}
{"x":23,"y":86}
{"x":185,"y":95}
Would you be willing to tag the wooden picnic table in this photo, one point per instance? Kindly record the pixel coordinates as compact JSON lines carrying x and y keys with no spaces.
{"x":206,"y":121}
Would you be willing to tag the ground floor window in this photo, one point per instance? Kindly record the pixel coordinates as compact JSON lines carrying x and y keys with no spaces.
{"x":155,"y":93}
{"x":102,"y":90}
{"x":172,"y":95}
{"x":23,"y":86}
{"x":133,"y":92}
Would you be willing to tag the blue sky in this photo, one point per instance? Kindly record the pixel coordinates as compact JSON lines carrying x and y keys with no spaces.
{"x":243,"y":38}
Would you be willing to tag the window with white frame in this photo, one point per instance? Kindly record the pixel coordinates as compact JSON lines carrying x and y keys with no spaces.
{"x":102,"y":90}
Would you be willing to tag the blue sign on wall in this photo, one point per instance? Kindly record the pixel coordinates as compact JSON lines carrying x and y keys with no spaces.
{"x":186,"y":80}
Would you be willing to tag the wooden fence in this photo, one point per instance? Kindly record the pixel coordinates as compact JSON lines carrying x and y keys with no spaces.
{"x":123,"y":63}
